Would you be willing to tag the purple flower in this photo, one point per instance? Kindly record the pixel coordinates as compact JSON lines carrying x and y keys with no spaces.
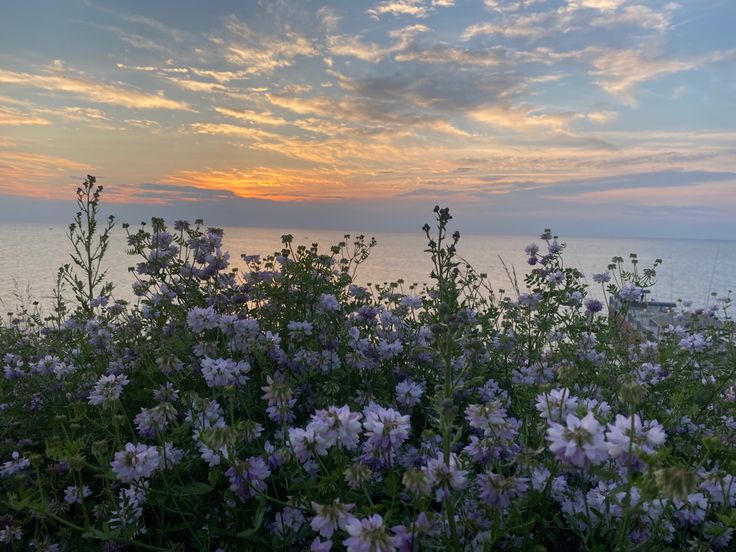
{"x":555,"y":247}
{"x":691,"y":511}
{"x":201,"y":319}
{"x":625,"y":447}
{"x":579,"y":442}
{"x":295,"y":328}
{"x":16,"y":465}
{"x":73,"y":494}
{"x":338,"y":426}
{"x":556,"y":404}
{"x":328,"y":303}
{"x":498,"y":491}
{"x":135,"y":462}
{"x":107,"y":389}
{"x":151,"y":421}
{"x":486,"y":416}
{"x":630,"y":293}
{"x":602,"y":277}
{"x":329,"y":517}
{"x":556,"y":278}
{"x":411,"y":301}
{"x":386,"y":429}
{"x":320,"y":545}
{"x":694,"y":343}
{"x":368,"y":535}
{"x":445,"y":477}
{"x":222,"y":372}
{"x":247,"y":478}
{"x":306,"y":442}
{"x":409,"y":393}
{"x":593,"y":305}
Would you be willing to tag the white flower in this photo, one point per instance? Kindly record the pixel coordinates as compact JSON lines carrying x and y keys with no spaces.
{"x":644,"y":439}
{"x":16,"y":465}
{"x":444,"y":476}
{"x":409,"y":393}
{"x":579,"y":442}
{"x":135,"y":462}
{"x":329,"y":517}
{"x":306,"y":442}
{"x":200,"y":319}
{"x":107,"y":389}
{"x":368,"y":535}
{"x":556,"y":404}
{"x":74,"y":494}
{"x":222,"y":372}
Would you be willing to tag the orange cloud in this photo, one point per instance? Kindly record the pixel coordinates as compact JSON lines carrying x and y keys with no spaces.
{"x":270,"y":183}
{"x":38,"y":175}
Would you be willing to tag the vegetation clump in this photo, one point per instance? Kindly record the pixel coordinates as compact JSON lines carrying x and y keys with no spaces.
{"x":285,"y":407}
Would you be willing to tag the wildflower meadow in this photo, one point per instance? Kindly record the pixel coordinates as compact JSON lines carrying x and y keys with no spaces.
{"x":285,"y":407}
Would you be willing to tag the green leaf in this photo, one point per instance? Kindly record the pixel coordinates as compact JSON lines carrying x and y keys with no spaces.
{"x":96,"y":534}
{"x":192,"y":489}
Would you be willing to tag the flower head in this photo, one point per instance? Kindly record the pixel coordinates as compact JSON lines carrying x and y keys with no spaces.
{"x":579,"y":442}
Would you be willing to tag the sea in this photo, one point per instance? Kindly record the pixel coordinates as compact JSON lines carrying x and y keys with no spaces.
{"x":693,"y":270}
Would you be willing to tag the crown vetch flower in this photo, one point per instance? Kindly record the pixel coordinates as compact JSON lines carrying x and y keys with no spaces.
{"x":135,"y":462}
{"x":107,"y":389}
{"x":368,"y":535}
{"x":329,"y":517}
{"x":578,"y":442}
{"x":625,"y":447}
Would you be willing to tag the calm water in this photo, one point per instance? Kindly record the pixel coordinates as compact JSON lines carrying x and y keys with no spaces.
{"x":692,"y":269}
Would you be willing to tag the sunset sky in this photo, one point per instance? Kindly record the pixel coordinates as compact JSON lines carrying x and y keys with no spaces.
{"x":595,"y":117}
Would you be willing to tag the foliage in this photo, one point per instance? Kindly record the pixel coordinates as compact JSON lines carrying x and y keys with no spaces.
{"x":286,"y":407}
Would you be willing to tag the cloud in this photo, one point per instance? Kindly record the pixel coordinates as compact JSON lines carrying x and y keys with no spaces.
{"x":135,"y":40}
{"x":599,"y":117}
{"x":636,"y":14}
{"x":413,"y":8}
{"x":601,"y":5}
{"x":262,"y":118}
{"x":353,"y":46}
{"x":443,"y":54}
{"x":60,"y":81}
{"x":225,"y":129}
{"x":721,"y":194}
{"x":142,"y":42}
{"x":521,"y":118}
{"x":220,"y":76}
{"x":199,"y":86}
{"x":169,"y":193}
{"x":38,"y":175}
{"x":154,"y":24}
{"x":13,"y":117}
{"x":85,"y":113}
{"x":266,"y":183}
{"x":618,"y":72}
{"x":329,"y":18}
{"x":260,"y":53}
{"x":534,"y":25}
{"x":365,"y":112}
{"x":145,"y":124}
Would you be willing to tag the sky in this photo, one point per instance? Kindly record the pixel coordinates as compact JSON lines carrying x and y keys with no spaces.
{"x":593,"y":117}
